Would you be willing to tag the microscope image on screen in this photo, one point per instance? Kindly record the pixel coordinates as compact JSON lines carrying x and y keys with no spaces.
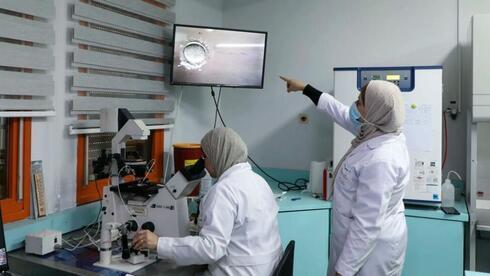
{"x":194,"y":55}
{"x":205,"y":56}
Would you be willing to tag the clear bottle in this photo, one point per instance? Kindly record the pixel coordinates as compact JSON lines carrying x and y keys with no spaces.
{"x":447,"y":193}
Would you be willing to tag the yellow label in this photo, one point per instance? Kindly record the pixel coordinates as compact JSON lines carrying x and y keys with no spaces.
{"x":190,"y":162}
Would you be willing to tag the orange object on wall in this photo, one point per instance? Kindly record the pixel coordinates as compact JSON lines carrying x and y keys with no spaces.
{"x":186,"y":155}
{"x":14,"y":208}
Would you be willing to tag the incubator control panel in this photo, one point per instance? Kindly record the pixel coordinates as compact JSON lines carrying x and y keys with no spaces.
{"x":403,"y":78}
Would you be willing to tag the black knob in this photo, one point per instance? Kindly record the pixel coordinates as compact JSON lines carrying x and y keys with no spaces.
{"x":125,"y":249}
{"x":132,"y":225}
{"x":148,"y":226}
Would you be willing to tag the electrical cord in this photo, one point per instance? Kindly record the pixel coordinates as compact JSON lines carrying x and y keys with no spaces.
{"x":89,"y":227}
{"x":445,"y":140}
{"x":149,"y":167}
{"x":216,"y":112}
{"x":79,"y":240}
{"x":92,"y":240}
{"x":298,"y":185}
{"x":130,"y":171}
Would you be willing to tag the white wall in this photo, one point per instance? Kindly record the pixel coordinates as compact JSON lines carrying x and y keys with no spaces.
{"x":307,"y":39}
{"x":50,"y":140}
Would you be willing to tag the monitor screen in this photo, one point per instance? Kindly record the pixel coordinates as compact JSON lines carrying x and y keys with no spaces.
{"x":218,"y":57}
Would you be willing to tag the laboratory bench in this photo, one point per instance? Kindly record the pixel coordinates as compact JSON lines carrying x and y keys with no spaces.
{"x":80,"y":262}
{"x":306,"y":220}
{"x":301,"y":218}
{"x":474,"y":273}
{"x":435,"y":243}
{"x":435,"y":240}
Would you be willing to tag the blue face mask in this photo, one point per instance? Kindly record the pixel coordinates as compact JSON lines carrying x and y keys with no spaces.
{"x":355,"y":116}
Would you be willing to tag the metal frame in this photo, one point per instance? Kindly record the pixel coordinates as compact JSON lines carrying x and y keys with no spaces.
{"x":471,"y":189}
{"x":23,"y":114}
{"x":261,"y":86}
{"x":75,"y":131}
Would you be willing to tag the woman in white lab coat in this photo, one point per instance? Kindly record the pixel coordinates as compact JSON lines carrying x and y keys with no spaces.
{"x":369,"y":233}
{"x":239,"y":233}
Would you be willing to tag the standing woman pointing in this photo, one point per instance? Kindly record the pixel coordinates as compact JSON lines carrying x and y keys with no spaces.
{"x":369,"y":232}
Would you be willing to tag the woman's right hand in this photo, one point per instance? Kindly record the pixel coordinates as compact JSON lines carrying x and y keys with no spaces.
{"x":293,"y":85}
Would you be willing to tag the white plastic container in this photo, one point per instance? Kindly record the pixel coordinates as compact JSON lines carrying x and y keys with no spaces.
{"x":316,"y":176}
{"x":447,"y":194}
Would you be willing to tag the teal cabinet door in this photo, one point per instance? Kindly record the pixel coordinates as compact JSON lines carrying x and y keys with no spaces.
{"x":310,"y":231}
{"x":435,"y":247}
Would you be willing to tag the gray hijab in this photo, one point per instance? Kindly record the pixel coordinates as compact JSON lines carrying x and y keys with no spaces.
{"x":385,"y":113}
{"x":224,"y":148}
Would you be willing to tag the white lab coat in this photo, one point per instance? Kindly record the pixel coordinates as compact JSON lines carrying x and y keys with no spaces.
{"x":239,"y":230}
{"x":369,"y":232}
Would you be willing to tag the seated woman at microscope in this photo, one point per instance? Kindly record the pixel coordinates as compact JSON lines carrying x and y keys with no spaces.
{"x":239,"y":233}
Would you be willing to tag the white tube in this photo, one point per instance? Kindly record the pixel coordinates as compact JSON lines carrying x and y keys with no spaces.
{"x":105,"y":244}
{"x":105,"y":257}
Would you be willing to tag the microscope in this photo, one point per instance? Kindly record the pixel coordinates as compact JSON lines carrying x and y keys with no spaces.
{"x":128,"y":207}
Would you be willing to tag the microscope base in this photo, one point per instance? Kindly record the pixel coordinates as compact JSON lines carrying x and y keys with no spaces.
{"x":117,"y":263}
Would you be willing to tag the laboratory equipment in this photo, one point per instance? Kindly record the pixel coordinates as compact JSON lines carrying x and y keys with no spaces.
{"x":43,"y":242}
{"x":218,"y":57}
{"x":138,"y":205}
{"x":477,"y":188}
{"x":421,"y":88}
{"x":186,"y":154}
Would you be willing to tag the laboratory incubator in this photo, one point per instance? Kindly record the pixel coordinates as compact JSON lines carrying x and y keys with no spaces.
{"x":421,"y":88}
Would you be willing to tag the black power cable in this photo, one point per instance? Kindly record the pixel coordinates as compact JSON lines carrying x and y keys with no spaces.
{"x":298,"y":185}
{"x":216,"y":111}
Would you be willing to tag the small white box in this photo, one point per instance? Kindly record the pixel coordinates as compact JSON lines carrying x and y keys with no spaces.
{"x":43,"y":242}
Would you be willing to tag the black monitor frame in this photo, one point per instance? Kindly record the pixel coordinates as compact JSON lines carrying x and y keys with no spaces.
{"x":261,"y":86}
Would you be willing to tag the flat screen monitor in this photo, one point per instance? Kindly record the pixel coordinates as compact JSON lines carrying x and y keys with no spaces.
{"x":208,"y":56}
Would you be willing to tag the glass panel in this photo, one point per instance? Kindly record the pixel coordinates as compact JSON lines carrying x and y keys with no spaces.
{"x":99,"y":161}
{"x":139,"y":150}
{"x":3,"y":159}
{"x":99,"y":151}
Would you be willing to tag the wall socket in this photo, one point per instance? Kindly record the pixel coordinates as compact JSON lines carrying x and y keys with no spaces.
{"x":452,"y":109}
